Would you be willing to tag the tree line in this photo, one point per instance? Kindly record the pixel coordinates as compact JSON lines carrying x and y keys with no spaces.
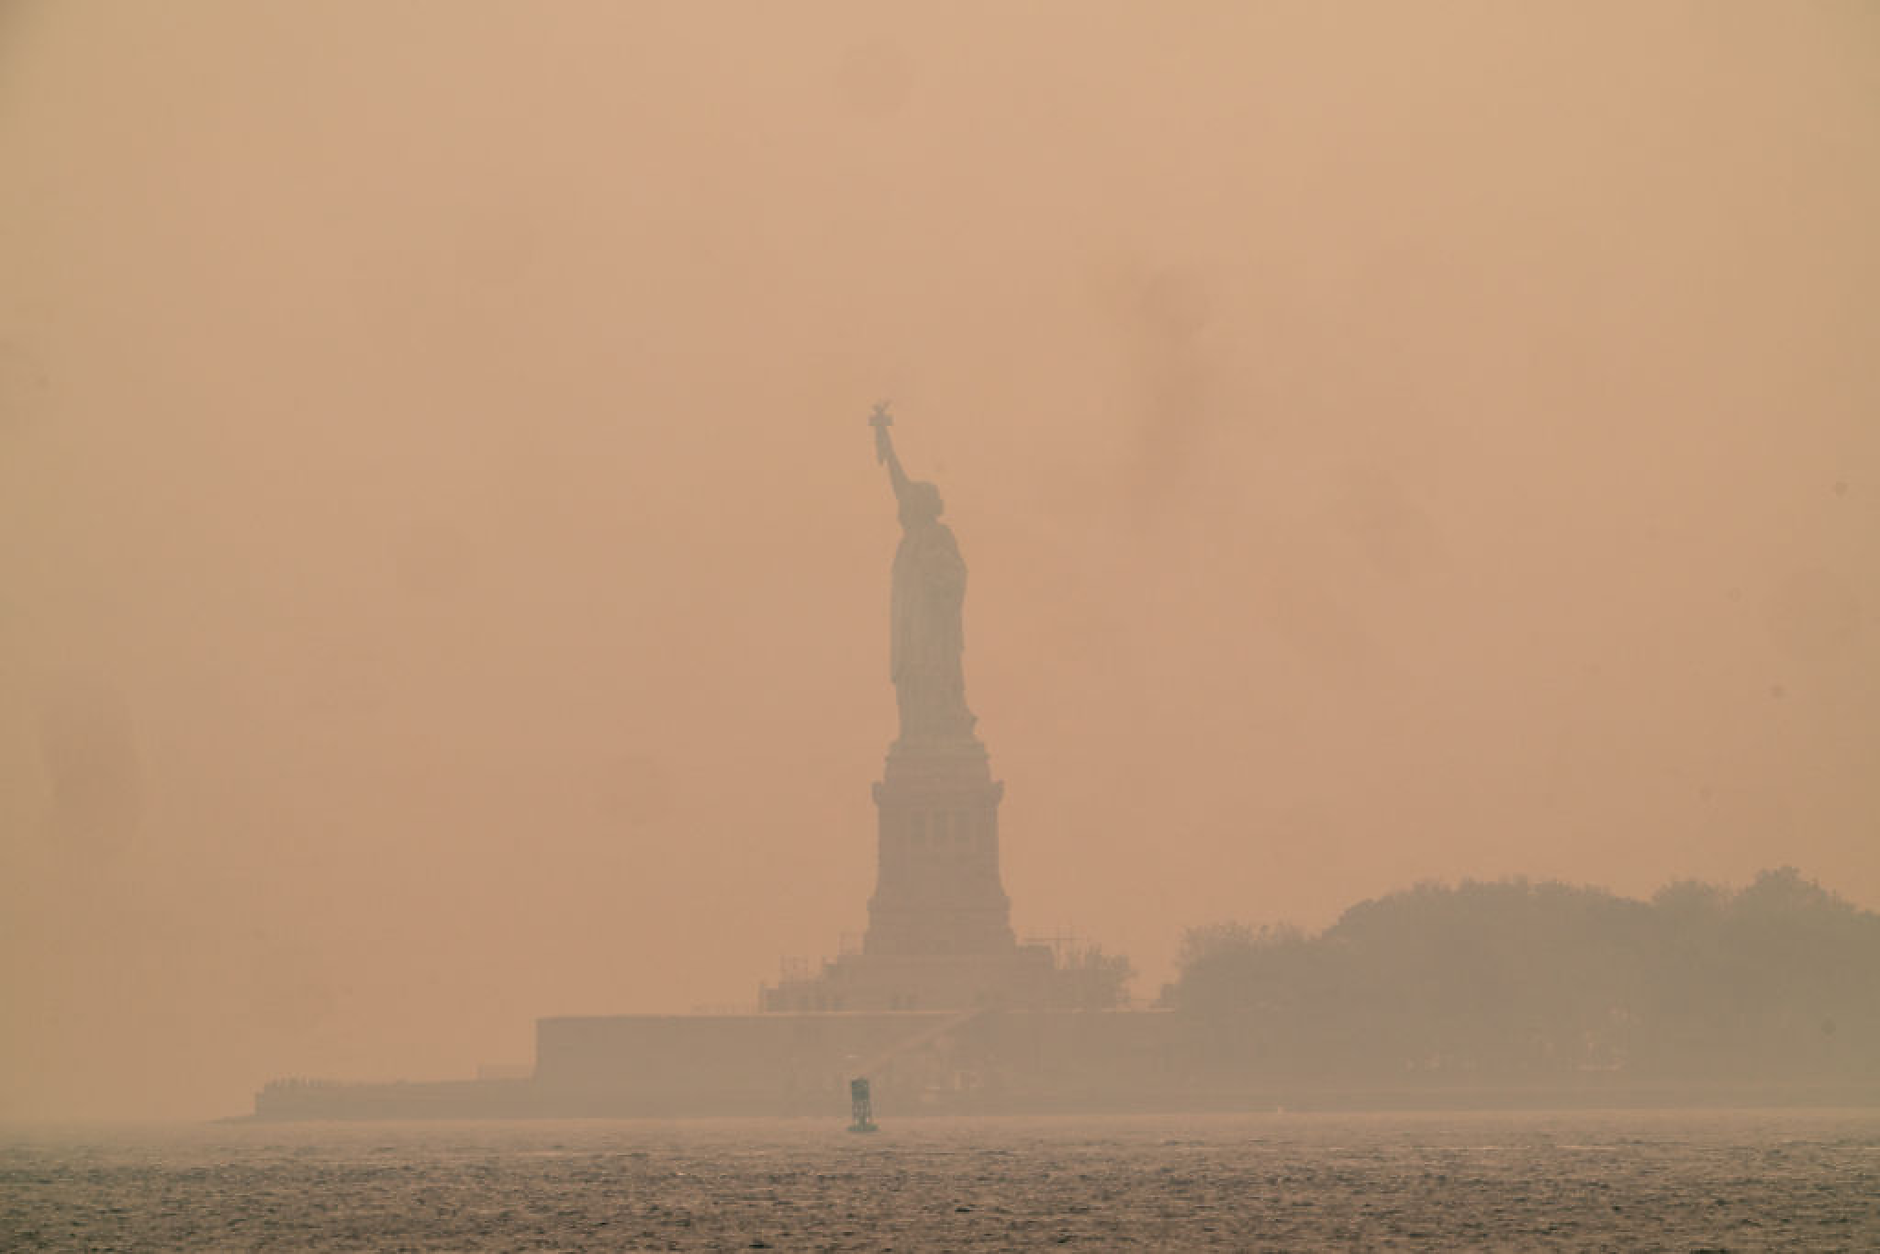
{"x":1779,"y":981}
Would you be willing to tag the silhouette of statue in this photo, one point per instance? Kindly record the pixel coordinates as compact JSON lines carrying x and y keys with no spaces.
{"x":926,"y":637}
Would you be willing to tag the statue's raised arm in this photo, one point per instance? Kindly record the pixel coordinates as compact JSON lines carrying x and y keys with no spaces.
{"x":881,"y":420}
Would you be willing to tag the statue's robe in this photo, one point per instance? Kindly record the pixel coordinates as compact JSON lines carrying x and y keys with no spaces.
{"x":927,"y":637}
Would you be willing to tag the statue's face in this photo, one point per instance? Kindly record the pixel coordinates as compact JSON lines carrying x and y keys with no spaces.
{"x":920,"y":504}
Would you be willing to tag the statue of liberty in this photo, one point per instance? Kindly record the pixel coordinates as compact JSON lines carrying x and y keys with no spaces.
{"x":926,"y":636}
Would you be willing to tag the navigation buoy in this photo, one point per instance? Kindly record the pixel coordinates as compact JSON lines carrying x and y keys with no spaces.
{"x":863,"y":1108}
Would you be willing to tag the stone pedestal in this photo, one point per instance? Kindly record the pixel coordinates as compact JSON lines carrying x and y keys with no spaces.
{"x":939,"y":925}
{"x":937,"y":887}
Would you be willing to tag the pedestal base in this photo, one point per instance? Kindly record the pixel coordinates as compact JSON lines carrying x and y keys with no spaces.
{"x":1019,"y":978}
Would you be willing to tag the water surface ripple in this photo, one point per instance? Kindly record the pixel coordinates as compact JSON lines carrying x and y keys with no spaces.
{"x":1583,"y":1180}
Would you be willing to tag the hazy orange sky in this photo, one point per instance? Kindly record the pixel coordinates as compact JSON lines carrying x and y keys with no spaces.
{"x":444,"y":568}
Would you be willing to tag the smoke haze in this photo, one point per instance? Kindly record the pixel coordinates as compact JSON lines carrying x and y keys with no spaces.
{"x":444,"y":569}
